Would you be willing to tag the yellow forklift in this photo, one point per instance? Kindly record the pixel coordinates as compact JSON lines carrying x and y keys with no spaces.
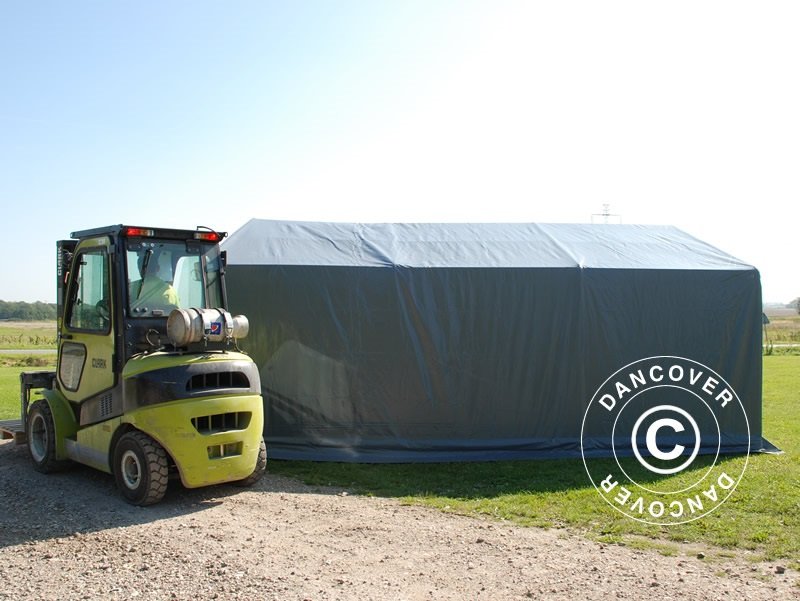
{"x":150,"y":382}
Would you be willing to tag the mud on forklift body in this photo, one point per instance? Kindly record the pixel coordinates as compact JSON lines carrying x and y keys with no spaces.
{"x":150,"y":380}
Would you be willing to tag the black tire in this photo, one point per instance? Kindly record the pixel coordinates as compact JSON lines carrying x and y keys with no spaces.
{"x":140,"y":468}
{"x":261,"y":467}
{"x":42,"y":438}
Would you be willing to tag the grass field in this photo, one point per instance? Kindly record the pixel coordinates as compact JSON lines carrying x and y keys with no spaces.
{"x":763,"y":514}
{"x":10,"y":368}
{"x":27,"y":335}
{"x":784,"y":328}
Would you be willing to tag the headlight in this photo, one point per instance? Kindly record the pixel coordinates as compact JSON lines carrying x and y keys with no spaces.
{"x":185,"y":326}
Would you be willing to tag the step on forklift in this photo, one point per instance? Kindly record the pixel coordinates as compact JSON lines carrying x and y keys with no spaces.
{"x":150,"y":383}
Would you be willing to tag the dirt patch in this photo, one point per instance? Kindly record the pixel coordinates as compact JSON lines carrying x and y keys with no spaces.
{"x":70,"y":536}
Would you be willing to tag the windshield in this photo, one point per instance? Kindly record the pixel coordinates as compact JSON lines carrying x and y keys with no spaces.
{"x":167,"y":275}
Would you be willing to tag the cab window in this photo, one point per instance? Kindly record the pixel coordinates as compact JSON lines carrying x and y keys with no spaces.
{"x":89,"y":306}
{"x":164,"y":275}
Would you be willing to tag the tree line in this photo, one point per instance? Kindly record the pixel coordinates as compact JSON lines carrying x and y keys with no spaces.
{"x":22,"y":311}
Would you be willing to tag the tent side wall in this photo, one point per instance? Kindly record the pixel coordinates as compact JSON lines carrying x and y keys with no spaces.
{"x":419,"y":364}
{"x":708,"y":316}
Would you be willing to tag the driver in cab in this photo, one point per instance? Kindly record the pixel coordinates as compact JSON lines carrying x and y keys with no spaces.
{"x":151,"y":292}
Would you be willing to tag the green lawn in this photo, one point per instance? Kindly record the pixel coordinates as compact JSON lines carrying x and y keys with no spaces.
{"x":762,"y":515}
{"x":9,"y":392}
{"x":10,"y":368}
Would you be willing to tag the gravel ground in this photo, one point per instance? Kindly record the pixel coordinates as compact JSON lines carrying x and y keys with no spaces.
{"x":70,"y":536}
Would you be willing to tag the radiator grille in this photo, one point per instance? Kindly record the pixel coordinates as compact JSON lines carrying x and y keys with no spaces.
{"x":220,"y":379}
{"x":222,"y":422}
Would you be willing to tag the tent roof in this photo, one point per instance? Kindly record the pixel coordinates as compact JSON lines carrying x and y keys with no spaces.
{"x":267,"y":242}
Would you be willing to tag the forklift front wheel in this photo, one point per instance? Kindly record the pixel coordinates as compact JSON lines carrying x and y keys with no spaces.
{"x":42,"y":438}
{"x":140,"y":468}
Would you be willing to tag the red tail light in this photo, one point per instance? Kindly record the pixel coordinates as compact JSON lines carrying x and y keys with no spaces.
{"x":208,"y":236}
{"x":138,"y":232}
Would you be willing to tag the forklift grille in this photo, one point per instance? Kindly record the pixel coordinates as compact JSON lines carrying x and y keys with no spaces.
{"x":220,"y":451}
{"x":106,"y":405}
{"x":222,"y":422}
{"x":221,"y":379}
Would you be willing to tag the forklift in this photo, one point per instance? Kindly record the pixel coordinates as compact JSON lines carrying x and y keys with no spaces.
{"x":150,"y":383}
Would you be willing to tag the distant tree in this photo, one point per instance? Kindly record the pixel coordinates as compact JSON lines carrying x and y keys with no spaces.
{"x":796,"y":304}
{"x":23,"y":311}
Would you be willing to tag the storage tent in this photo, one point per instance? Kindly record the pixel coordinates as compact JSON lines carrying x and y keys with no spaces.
{"x":442,"y":342}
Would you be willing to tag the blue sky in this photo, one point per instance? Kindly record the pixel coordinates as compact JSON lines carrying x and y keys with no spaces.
{"x":212,"y":113}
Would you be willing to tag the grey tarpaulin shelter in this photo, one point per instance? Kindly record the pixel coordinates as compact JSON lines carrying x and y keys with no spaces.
{"x":439,"y":342}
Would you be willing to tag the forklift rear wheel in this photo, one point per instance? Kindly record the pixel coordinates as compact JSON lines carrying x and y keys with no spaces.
{"x":140,"y":468}
{"x":42,"y":438}
{"x":261,"y":467}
